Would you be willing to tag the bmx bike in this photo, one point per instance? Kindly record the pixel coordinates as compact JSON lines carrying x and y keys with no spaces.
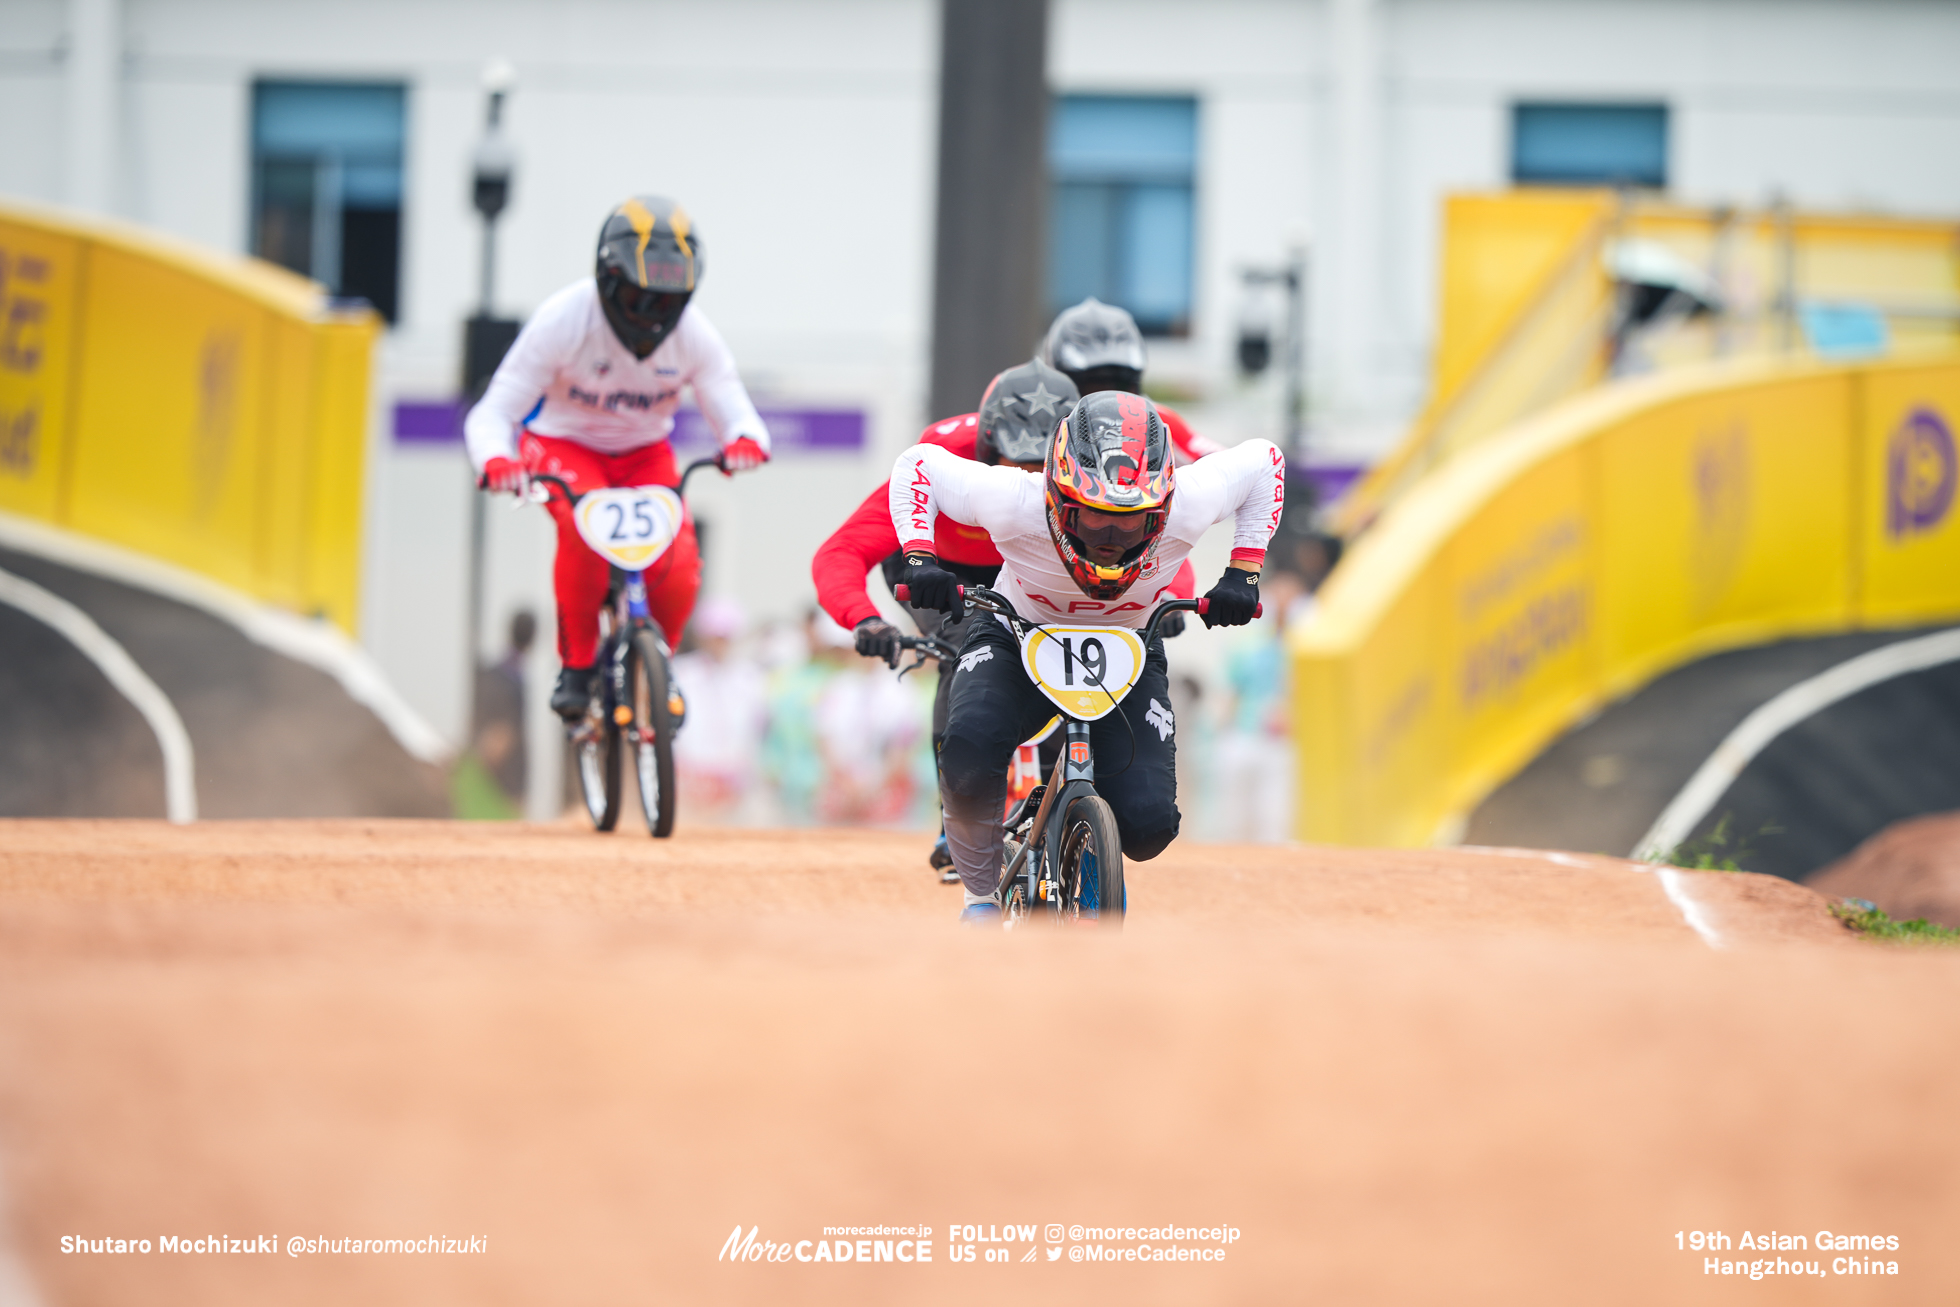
{"x":1063,"y":857}
{"x":635,"y":707}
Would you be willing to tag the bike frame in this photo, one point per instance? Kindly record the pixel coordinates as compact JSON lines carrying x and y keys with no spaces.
{"x":1038,"y":863}
{"x":629,"y":599}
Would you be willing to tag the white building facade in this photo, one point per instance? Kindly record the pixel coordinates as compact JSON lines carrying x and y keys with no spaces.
{"x":800,"y":133}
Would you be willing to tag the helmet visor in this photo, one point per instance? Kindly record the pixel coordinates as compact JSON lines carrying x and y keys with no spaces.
{"x":1120,"y":534}
{"x":651,"y":309}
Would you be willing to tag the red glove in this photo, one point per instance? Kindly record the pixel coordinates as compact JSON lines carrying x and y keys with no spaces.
{"x":503,"y":476}
{"x":743,"y":455}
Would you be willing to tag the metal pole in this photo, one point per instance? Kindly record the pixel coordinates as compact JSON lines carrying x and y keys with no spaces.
{"x":1296,"y":356}
{"x":989,"y":261}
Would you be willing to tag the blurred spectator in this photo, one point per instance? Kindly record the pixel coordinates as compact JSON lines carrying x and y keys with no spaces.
{"x":499,"y":735}
{"x":1253,"y":760}
{"x":846,"y":737}
{"x":715,"y":753}
{"x":790,"y":758}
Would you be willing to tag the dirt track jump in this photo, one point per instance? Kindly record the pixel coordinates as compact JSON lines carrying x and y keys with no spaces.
{"x":1368,"y":1077}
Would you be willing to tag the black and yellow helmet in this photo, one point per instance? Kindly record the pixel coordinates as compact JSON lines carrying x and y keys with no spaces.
{"x":648,"y":266}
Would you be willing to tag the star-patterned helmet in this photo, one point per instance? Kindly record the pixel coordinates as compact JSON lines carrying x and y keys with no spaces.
{"x":1108,"y":490}
{"x":1019,"y":413}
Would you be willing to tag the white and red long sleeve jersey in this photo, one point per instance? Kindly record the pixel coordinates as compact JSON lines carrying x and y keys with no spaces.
{"x":1245,"y":484}
{"x":567,"y":375}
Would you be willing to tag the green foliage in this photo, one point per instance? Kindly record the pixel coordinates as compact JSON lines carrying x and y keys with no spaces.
{"x":1712,"y":852}
{"x":1867,"y":918}
{"x":474,"y":794}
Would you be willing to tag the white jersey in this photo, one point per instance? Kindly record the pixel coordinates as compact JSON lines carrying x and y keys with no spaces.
{"x":1245,"y":484}
{"x":568,"y":376}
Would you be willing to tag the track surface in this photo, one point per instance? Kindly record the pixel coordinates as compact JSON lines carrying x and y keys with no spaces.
{"x":1415,"y":1077}
{"x":1889,"y":753}
{"x":272,"y":738}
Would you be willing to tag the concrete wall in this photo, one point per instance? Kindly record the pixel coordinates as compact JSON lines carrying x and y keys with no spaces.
{"x":801,"y":133}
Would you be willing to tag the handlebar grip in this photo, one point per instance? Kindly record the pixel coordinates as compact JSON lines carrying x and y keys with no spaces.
{"x":903,"y":591}
{"x":1204,"y":606}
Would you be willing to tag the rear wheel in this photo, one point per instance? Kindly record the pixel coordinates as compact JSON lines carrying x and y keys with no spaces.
{"x":648,"y":688}
{"x":1092,"y":863}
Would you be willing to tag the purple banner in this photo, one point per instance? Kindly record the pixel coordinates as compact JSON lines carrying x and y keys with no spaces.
{"x":792,"y":431}
{"x":428,"y":422}
{"x":1331,"y":481}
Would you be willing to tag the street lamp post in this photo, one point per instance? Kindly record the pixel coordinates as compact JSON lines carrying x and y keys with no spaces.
{"x":1255,"y":345}
{"x":486,"y":337}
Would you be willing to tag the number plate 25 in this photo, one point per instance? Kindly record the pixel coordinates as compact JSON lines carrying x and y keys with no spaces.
{"x":1084,"y":670}
{"x":630,"y":526}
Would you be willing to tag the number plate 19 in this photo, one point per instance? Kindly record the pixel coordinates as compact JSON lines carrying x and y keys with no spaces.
{"x":630,"y":526}
{"x":1084,"y":670}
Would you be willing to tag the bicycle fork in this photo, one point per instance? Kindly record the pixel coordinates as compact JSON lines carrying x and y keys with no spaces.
{"x":1038,"y":864}
{"x":632,"y":615}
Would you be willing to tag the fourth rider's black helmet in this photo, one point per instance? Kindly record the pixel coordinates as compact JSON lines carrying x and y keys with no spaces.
{"x":649,"y":263}
{"x":1098,"y":345}
{"x":1019,"y":413}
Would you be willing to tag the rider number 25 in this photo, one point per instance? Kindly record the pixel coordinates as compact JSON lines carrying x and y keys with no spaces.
{"x":640,"y":518}
{"x":1094,"y":660}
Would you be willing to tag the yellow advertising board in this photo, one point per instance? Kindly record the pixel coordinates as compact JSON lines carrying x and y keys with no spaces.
{"x":1724,"y":519}
{"x":1515,"y":642}
{"x":207,"y":410}
{"x":183,"y":379}
{"x":1908,"y":538}
{"x":39,"y":273}
{"x":1583,"y":552}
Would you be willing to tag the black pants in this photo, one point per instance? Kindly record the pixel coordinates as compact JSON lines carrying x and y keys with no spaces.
{"x":932,"y":622}
{"x":995,"y":706}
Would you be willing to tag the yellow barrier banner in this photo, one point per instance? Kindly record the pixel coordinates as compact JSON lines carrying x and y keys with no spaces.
{"x":1579,"y":554}
{"x":39,"y":274}
{"x":1908,"y":538}
{"x":210,"y":411}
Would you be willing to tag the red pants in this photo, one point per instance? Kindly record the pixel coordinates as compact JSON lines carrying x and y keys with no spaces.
{"x":579,"y":577}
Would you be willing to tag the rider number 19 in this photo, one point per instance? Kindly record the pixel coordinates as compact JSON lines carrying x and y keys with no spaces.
{"x":1094,"y":661}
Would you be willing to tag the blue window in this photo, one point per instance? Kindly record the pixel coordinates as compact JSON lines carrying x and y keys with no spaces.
{"x":327,"y":184}
{"x":1589,"y":144}
{"x":1120,"y":214}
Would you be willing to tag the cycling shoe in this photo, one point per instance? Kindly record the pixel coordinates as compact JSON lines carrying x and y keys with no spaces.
{"x":980,"y":914}
{"x":942,"y":861}
{"x":572,"y":693}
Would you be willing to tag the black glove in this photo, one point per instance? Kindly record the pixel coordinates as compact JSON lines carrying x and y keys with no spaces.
{"x":1233,"y":600}
{"x":877,"y":638}
{"x":932,"y":585}
{"x":1172,"y":624}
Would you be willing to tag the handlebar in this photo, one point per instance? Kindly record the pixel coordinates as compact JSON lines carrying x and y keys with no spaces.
{"x":573,"y":496}
{"x":990,"y":601}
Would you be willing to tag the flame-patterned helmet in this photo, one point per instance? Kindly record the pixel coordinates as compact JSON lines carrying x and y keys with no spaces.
{"x":648,"y":265}
{"x":1109,"y":482}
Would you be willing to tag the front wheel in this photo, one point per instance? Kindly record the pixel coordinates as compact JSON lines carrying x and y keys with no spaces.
{"x":595,"y":745}
{"x":649,"y":688}
{"x":1092,"y":863}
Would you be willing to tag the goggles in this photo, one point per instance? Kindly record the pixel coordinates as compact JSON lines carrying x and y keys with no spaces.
{"x":1099,"y":530}
{"x":648,"y":306}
